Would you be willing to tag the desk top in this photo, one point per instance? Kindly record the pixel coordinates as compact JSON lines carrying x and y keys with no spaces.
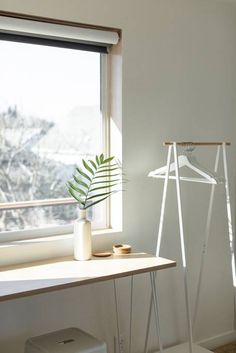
{"x":47,"y":276}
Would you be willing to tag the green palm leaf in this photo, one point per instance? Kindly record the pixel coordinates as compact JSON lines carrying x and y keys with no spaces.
{"x":80,"y":191}
{"x":108,"y":160}
{"x":109,"y":165}
{"x":87,"y":167}
{"x":97,"y":160}
{"x":93,"y":178}
{"x":106,"y":181}
{"x":106,"y":176}
{"x":83,"y":174}
{"x":103,"y":187}
{"x":93,"y":164}
{"x":80,"y":182}
{"x":107,"y":170}
{"x":99,"y":195}
{"x":101,"y":158}
{"x":94,"y":203}
{"x":80,"y":201}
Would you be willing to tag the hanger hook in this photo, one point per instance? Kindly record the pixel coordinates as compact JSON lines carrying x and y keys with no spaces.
{"x":189,"y":148}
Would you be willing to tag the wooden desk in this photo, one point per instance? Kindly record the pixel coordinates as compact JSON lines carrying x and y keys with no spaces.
{"x":47,"y":276}
{"x":53,"y":275}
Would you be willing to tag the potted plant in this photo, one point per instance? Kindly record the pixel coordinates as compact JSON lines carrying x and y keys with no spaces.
{"x":92,"y":183}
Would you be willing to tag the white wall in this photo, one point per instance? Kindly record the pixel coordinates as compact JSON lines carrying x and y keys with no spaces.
{"x":179,"y":83}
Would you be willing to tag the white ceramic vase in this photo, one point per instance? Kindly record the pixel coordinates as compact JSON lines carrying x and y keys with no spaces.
{"x":82,"y":238}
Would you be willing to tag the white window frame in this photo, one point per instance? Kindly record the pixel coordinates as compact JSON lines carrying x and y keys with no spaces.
{"x":31,"y":245}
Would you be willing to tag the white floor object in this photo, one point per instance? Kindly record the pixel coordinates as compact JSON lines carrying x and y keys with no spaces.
{"x":69,"y":340}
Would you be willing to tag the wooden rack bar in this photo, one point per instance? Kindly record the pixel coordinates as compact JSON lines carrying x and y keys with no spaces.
{"x":187,"y":143}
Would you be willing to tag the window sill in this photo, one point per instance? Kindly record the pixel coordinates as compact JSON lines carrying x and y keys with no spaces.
{"x":28,"y":250}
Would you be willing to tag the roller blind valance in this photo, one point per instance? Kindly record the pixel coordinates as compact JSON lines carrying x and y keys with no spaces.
{"x":60,"y":35}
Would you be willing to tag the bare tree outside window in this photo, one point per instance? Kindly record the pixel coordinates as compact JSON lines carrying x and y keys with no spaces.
{"x":49,"y":120}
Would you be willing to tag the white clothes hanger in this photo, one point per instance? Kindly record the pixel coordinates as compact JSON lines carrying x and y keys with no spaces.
{"x":189,"y":161}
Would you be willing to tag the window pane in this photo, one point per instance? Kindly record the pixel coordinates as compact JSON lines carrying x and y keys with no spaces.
{"x":49,"y":119}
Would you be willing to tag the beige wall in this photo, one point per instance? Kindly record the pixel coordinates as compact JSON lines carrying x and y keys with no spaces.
{"x":179,"y":82}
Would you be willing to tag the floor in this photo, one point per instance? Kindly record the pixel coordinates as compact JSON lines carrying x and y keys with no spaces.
{"x":228,"y":348}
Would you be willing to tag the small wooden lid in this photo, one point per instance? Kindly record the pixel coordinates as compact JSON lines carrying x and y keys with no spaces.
{"x":121,"y":249}
{"x":102,"y":254}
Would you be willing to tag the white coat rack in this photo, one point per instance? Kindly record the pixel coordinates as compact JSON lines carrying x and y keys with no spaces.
{"x":208,"y":177}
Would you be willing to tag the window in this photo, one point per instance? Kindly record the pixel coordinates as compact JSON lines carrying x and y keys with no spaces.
{"x":52,"y":114}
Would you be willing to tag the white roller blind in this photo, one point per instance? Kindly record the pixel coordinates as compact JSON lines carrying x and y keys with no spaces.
{"x":59,"y":32}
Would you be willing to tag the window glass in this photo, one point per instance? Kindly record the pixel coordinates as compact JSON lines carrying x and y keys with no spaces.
{"x":50,"y":119}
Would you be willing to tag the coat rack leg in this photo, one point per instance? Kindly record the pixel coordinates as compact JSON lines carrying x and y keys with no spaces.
{"x":230,"y":226}
{"x":163,"y":204}
{"x":183,"y":251}
{"x":205,"y":242}
{"x":159,"y":238}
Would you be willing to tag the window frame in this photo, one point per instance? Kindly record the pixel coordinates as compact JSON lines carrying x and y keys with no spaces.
{"x":43,"y":247}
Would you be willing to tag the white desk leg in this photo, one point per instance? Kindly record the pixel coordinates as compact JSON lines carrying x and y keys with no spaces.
{"x":117,"y":316}
{"x":131,"y":313}
{"x":148,"y":325}
{"x":156,"y":308}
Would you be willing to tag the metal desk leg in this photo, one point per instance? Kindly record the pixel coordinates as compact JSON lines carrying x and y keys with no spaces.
{"x":117,"y":316}
{"x":131,"y":313}
{"x":148,"y":325}
{"x":155,"y":302}
{"x":156,"y":308}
